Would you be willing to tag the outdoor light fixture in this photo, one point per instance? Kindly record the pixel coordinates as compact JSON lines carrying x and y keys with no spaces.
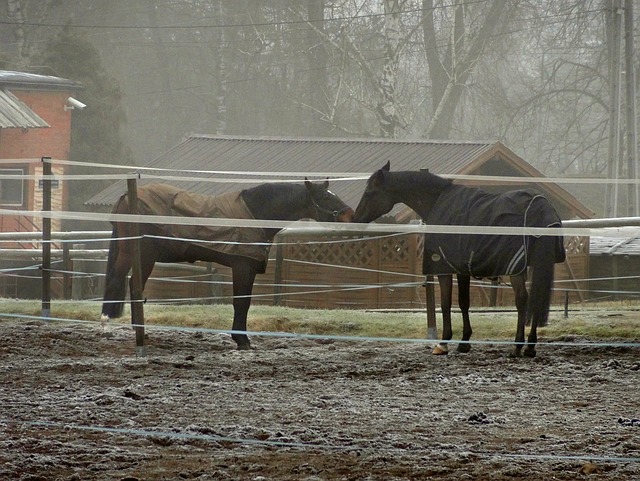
{"x":74,"y":104}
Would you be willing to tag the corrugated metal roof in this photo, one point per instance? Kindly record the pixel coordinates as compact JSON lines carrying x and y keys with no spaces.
{"x":620,"y":245}
{"x":31,"y":81}
{"x":249,"y":154}
{"x":309,"y":156}
{"x":14,"y":113}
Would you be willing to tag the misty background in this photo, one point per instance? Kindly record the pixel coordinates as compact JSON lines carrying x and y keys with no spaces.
{"x":536,"y":75}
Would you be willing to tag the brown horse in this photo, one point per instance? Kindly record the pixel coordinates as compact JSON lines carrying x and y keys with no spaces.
{"x":243,"y":249}
{"x":439,"y":201}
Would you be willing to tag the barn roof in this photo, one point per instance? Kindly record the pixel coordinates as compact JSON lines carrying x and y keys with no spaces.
{"x":313,"y":156}
{"x":624,"y":244}
{"x":14,"y":113}
{"x":32,"y":81}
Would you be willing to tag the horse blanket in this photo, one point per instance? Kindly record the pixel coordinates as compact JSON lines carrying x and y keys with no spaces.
{"x":166,"y":200}
{"x":485,"y":255}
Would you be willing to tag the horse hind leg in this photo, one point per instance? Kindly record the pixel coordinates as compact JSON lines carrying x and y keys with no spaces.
{"x":244,"y":275}
{"x":518,"y":283}
{"x":464,"y":284}
{"x":543,"y":261}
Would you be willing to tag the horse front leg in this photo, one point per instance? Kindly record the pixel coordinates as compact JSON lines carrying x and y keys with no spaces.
{"x":518,"y":283}
{"x":464,"y":284}
{"x":446,"y":287}
{"x":244,"y":275}
{"x":115,"y":289}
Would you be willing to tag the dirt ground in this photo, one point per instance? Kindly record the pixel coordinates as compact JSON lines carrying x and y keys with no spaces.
{"x":77,"y":404}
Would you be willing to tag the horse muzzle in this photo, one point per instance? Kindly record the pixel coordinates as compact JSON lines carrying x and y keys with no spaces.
{"x":345,"y":215}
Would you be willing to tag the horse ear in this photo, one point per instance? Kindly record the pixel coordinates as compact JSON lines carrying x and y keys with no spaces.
{"x":307,"y":183}
{"x":326,"y":184}
{"x":387,"y":166}
{"x":377,"y":179}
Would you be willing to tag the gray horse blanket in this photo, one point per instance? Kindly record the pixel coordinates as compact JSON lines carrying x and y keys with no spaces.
{"x":486,"y":255}
{"x":166,"y":200}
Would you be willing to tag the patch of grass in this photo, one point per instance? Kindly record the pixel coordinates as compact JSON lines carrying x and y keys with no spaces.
{"x":606,"y":321}
{"x":594,"y":325}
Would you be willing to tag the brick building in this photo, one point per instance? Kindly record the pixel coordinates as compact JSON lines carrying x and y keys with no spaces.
{"x":35,"y":122}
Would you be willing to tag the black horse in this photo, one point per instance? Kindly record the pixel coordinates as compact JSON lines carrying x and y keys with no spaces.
{"x":244,"y":249}
{"x":439,"y":201}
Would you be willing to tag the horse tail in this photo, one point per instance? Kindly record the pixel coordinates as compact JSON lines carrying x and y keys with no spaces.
{"x":115,"y":280}
{"x":543,"y":258}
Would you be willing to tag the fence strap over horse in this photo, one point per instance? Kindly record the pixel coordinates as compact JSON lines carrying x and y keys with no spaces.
{"x":485,"y":255}
{"x":166,"y":200}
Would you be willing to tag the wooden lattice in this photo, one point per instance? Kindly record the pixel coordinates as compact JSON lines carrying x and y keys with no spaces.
{"x":576,"y":245}
{"x":327,"y":251}
{"x":395,"y":249}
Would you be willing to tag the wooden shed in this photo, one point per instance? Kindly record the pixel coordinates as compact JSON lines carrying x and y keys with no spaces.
{"x":382,"y":272}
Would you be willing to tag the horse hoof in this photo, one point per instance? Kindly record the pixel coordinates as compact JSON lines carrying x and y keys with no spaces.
{"x":530,"y":352}
{"x":464,"y":347}
{"x":440,"y":350}
{"x":516,"y":353}
{"x":244,"y":347}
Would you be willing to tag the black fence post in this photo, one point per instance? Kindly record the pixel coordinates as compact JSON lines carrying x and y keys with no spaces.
{"x":277,"y":289}
{"x":67,"y":269}
{"x":46,"y":237}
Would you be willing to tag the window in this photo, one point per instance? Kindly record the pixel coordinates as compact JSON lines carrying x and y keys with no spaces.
{"x":11,"y":190}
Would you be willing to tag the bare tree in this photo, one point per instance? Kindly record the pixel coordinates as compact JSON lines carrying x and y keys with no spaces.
{"x":562,"y":104}
{"x":531,"y":73}
{"x":387,"y":106}
{"x":451,"y":66}
{"x":23,"y":18}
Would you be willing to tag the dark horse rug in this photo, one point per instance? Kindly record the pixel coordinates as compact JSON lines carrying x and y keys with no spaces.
{"x":166,"y":200}
{"x":485,"y":255}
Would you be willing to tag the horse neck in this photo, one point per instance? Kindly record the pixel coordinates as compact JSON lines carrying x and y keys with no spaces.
{"x":277,"y":201}
{"x":417,"y":190}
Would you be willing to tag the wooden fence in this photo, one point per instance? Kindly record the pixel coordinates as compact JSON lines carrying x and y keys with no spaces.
{"x":389,"y":271}
{"x":329,"y":271}
{"x":317,"y":271}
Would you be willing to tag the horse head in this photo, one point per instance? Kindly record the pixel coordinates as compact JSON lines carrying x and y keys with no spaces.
{"x":376,"y":199}
{"x":327,"y":206}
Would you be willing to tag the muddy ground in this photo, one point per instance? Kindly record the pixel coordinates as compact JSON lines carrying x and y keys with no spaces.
{"x":76,"y":404}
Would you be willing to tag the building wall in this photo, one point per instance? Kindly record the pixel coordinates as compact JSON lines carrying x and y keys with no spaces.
{"x":46,"y":142}
{"x":33,"y":144}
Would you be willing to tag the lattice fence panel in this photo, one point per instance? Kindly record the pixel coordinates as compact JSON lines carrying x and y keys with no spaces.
{"x":330,"y":251}
{"x":576,"y":245}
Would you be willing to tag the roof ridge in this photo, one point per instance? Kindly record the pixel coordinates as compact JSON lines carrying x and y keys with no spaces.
{"x":15,"y":79}
{"x":337,"y":139}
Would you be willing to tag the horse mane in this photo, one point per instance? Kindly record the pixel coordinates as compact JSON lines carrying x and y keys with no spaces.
{"x":268,"y":190}
{"x":420,"y":181}
{"x":265,"y":199}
